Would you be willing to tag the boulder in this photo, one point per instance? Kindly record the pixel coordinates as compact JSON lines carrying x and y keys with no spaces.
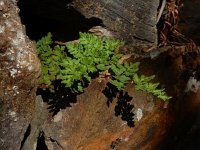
{"x":133,"y":21}
{"x":19,"y":72}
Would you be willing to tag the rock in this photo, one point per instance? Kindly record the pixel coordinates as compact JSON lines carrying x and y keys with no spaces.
{"x":19,"y":72}
{"x":132,"y":21}
{"x":91,"y":123}
{"x":40,"y":116}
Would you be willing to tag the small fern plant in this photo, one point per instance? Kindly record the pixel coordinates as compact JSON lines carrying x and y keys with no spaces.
{"x":75,"y":63}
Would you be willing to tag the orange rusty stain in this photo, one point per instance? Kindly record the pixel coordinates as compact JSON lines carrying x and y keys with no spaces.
{"x":149,"y":131}
{"x":103,"y":142}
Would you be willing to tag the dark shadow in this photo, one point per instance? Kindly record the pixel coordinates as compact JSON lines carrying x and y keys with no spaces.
{"x":184,"y":134}
{"x":57,"y":17}
{"x":190,"y":68}
{"x":110,"y":92}
{"x":197,"y":73}
{"x":123,"y":108}
{"x":60,"y":98}
{"x":27,"y":133}
{"x":41,"y":145}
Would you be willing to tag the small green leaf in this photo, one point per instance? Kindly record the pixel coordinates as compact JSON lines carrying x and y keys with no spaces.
{"x":118,"y":85}
{"x":80,"y":87}
{"x":101,"y":67}
{"x":122,"y":78}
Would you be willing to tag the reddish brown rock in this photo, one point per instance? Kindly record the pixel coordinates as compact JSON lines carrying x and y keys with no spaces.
{"x":90,"y":124}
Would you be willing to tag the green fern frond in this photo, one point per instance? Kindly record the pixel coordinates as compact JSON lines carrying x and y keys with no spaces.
{"x":143,"y":83}
{"x":90,"y":56}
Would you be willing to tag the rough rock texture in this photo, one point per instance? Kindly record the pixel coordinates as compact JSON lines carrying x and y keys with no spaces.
{"x":40,"y":116}
{"x":19,"y":71}
{"x":134,"y":20}
{"x":90,"y":124}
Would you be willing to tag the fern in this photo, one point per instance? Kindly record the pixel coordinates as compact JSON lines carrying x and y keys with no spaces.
{"x":143,"y":83}
{"x":50,"y":59}
{"x":88,"y":57}
{"x":122,"y":73}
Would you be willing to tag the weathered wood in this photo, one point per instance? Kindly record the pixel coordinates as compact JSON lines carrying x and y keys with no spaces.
{"x":131,"y":20}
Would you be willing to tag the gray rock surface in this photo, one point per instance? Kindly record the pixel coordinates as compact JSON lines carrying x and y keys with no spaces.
{"x":134,"y":21}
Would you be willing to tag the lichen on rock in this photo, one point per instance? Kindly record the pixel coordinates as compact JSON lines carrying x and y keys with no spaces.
{"x":19,"y":72}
